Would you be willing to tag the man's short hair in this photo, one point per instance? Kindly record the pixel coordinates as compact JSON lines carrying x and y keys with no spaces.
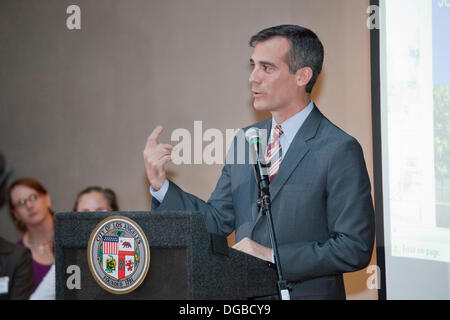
{"x":306,"y":48}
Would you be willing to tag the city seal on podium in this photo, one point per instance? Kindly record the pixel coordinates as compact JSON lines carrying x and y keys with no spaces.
{"x":118,"y":254}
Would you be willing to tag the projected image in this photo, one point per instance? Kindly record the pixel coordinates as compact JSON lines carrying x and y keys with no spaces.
{"x":441,"y":100}
{"x":417,"y":116}
{"x":441,"y":95}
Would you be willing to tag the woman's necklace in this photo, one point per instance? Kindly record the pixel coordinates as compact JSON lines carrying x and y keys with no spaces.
{"x":41,"y":248}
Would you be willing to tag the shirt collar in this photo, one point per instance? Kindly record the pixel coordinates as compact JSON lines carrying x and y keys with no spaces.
{"x":292,"y":125}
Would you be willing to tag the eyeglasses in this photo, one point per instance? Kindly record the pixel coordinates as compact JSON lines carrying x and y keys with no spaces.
{"x":23,"y":202}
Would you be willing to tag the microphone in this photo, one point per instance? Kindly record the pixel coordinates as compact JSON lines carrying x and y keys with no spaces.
{"x":253,"y":138}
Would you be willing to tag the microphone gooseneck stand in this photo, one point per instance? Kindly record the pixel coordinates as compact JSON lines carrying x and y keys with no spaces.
{"x":265,"y":208}
{"x":264,"y":205}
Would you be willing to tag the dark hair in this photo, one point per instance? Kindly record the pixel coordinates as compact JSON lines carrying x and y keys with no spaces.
{"x":109,"y":195}
{"x":30,"y":183}
{"x":306,"y":48}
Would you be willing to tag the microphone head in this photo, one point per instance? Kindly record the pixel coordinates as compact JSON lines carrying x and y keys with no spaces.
{"x":252,"y":135}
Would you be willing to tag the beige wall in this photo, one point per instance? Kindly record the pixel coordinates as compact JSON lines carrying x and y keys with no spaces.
{"x":77,"y":106}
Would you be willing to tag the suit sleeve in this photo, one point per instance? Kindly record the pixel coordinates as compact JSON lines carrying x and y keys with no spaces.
{"x":350,"y":222}
{"x":218,"y":211}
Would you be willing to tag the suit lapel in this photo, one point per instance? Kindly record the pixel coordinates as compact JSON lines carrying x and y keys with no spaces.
{"x":297,"y":151}
{"x":293,"y":157}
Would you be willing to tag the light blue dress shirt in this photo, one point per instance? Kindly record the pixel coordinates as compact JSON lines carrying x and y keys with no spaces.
{"x":290,"y":127}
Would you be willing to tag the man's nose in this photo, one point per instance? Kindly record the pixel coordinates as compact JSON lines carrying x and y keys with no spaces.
{"x":254,"y":76}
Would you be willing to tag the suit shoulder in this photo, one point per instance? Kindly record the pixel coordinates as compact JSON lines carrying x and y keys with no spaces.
{"x":240,"y":133}
{"x":334,"y":135}
{"x":261,"y":124}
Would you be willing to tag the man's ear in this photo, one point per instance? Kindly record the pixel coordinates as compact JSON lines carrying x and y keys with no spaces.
{"x":303,"y":76}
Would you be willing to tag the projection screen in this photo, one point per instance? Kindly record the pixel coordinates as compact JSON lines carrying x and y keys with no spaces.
{"x":414,"y":124}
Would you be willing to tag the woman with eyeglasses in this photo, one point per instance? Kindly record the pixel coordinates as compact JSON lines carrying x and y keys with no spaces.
{"x":29,"y":205}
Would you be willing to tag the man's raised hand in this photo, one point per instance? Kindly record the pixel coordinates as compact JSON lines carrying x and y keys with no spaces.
{"x":156,"y":155}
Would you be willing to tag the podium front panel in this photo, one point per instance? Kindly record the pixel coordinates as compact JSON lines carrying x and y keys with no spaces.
{"x":182,"y":262}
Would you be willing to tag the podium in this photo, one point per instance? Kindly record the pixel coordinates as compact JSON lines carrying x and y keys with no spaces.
{"x":186,"y":262}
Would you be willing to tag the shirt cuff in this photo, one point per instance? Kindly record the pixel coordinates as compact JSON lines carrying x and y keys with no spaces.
{"x":161,"y":193}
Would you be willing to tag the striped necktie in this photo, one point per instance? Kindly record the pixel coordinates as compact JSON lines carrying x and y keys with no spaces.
{"x":274,"y":152}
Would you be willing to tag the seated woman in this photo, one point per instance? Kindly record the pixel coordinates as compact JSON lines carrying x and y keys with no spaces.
{"x":91,"y":199}
{"x":29,"y":204}
{"x":97,"y":199}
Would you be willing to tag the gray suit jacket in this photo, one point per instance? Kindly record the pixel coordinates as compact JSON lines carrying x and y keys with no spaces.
{"x":321,"y":205}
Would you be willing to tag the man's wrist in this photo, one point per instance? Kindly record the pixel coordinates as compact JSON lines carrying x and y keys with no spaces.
{"x":161,"y":192}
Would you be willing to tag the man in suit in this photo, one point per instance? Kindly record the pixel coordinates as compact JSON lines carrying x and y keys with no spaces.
{"x":320,"y":191}
{"x":16,"y":272}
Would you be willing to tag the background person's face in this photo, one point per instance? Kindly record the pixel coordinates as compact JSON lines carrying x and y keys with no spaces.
{"x":274,"y":88}
{"x":93,"y":201}
{"x":34,"y":211}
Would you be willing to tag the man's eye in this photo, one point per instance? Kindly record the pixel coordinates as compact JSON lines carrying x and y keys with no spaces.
{"x":267,"y":68}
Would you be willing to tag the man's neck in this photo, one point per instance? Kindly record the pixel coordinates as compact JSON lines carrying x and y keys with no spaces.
{"x":282,"y":115}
